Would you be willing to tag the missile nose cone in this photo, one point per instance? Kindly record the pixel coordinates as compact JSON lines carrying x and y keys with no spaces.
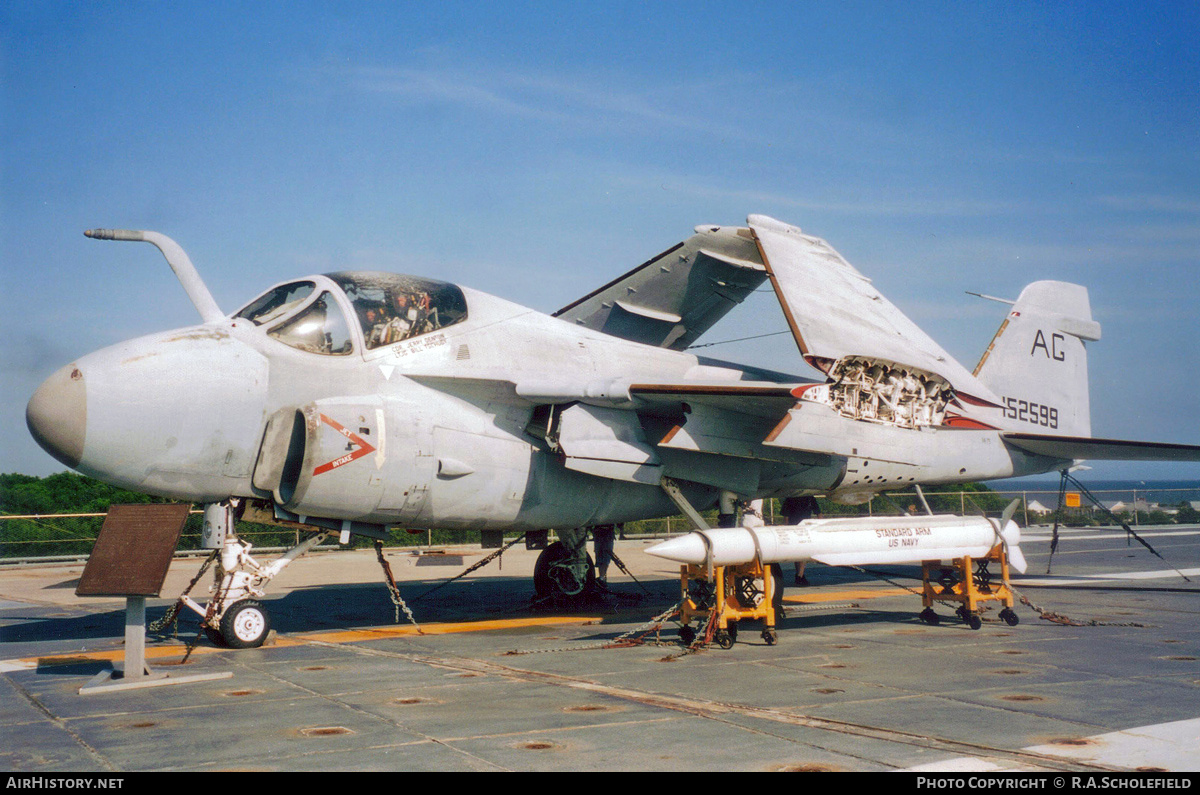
{"x":57,"y":415}
{"x":684,"y":549}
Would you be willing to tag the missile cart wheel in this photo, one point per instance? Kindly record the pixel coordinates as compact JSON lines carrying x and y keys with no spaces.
{"x":724,"y":638}
{"x":245,"y":624}
{"x":972,"y":619}
{"x":687,"y":635}
{"x":929,"y":617}
{"x":770,"y":637}
{"x":1010,"y":617}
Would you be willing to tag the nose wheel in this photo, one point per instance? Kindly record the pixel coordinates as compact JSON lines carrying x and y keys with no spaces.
{"x":235,"y":617}
{"x":245,"y":625}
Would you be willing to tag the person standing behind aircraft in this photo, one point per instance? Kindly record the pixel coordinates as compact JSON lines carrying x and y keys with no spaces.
{"x":797,"y":509}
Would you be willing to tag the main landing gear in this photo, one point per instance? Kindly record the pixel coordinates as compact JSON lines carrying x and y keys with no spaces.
{"x":564,"y":571}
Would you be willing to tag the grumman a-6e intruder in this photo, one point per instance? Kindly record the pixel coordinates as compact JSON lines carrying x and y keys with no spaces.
{"x":355,"y":401}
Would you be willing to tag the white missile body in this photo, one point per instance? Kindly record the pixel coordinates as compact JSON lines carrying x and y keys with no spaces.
{"x":856,"y":541}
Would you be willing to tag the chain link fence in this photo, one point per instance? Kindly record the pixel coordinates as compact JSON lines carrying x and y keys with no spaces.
{"x":34,"y":538}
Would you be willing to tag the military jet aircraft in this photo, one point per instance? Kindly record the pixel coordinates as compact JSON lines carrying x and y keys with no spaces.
{"x":355,"y":401}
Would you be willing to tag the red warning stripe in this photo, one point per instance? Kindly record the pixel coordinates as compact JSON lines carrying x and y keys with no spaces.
{"x":363,"y":448}
{"x":959,"y":421}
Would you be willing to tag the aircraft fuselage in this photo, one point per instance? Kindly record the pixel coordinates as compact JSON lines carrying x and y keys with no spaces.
{"x":503,"y":418}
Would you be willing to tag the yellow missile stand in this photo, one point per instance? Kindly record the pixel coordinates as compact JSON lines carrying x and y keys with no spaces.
{"x":968,"y":582}
{"x":746,"y":592}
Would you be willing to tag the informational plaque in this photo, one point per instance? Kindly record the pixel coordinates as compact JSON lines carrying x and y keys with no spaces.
{"x":133,"y":551}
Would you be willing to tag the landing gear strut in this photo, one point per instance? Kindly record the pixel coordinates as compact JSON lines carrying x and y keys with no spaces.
{"x":235,"y":616}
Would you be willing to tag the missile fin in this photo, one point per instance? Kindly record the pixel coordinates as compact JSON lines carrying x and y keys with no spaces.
{"x":1016,"y":559}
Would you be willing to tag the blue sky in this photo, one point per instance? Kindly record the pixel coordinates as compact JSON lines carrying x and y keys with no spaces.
{"x":536,"y":150}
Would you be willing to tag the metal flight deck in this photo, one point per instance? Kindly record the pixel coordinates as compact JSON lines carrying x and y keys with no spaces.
{"x":856,"y":681}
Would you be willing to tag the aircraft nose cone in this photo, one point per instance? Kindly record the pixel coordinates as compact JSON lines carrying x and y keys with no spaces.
{"x":57,"y":415}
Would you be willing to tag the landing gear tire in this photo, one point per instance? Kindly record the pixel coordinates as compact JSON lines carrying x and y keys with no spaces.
{"x":1010,"y":618}
{"x":929,"y":617}
{"x":215,"y":636}
{"x":552,"y":579}
{"x":245,"y":625}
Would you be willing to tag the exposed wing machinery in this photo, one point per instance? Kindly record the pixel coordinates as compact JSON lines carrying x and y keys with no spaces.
{"x":836,"y":314}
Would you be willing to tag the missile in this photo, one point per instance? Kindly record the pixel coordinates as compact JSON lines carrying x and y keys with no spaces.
{"x":857,"y":541}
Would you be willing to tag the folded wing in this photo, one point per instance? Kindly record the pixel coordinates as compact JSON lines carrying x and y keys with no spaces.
{"x":835,"y":313}
{"x":670,"y":300}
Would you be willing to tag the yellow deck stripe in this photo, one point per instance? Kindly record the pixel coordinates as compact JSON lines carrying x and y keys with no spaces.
{"x":374,"y":633}
{"x":164,"y":653}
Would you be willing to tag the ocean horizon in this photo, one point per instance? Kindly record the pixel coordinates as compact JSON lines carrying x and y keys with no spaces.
{"x":1167,"y":492}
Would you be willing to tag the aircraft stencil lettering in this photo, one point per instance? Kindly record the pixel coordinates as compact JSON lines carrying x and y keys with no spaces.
{"x":1051,"y":352}
{"x":1030,"y":411}
{"x":496,"y":416}
{"x":362,"y":448}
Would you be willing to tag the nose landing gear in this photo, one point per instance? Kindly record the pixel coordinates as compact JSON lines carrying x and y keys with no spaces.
{"x":235,"y":616}
{"x":244,"y":625}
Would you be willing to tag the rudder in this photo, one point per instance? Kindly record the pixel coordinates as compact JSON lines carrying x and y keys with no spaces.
{"x":1037,"y":361}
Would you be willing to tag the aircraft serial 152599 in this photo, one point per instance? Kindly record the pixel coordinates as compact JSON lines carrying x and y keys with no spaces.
{"x":355,"y":401}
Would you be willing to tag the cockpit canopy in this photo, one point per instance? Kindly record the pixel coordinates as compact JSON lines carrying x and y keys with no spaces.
{"x":390,"y":308}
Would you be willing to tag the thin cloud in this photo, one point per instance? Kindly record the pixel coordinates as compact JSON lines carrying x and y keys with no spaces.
{"x":764,"y":199}
{"x":582,"y":102}
{"x":1155,"y":203}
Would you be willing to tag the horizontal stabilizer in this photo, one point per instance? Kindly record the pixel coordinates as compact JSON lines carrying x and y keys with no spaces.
{"x":1070,"y":448}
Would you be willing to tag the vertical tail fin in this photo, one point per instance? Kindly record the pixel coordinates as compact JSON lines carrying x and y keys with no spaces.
{"x":1037,"y":361}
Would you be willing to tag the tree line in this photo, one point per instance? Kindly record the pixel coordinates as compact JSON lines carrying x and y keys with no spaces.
{"x":69,"y":492}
